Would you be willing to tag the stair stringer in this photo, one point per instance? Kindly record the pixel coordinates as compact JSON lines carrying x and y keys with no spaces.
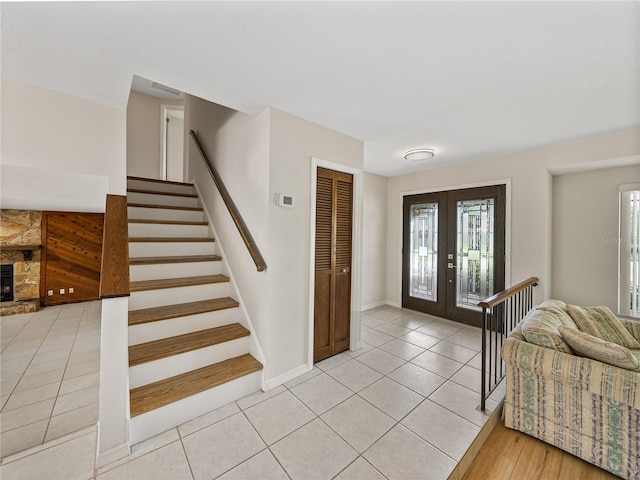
{"x":234,"y":292}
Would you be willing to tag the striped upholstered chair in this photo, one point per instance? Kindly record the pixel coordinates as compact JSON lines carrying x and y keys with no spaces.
{"x":587,"y":407}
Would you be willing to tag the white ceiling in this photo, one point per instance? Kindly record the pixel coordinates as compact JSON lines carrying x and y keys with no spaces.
{"x":469,"y":79}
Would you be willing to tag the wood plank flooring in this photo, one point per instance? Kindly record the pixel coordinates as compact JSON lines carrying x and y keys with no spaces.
{"x":176,"y":259}
{"x":164,"y":392}
{"x":165,"y":207}
{"x":165,"y":312}
{"x":511,"y":455}
{"x":170,"y":239}
{"x":144,"y":285}
{"x":158,"y":192}
{"x":166,"y":347}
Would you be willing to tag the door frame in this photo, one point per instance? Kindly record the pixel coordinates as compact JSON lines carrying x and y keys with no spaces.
{"x":165,"y":109}
{"x":507,"y":223}
{"x":356,"y":251}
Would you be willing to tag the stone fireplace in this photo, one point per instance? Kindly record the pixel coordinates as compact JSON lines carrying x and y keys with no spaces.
{"x":20,"y":239}
{"x":6,"y":283}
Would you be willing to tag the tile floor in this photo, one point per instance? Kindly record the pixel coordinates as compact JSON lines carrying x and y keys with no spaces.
{"x":402,"y":407}
{"x":50,"y":374}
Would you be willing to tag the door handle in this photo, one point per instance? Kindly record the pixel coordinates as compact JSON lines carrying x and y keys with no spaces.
{"x":344,"y":270}
{"x":450,"y":265}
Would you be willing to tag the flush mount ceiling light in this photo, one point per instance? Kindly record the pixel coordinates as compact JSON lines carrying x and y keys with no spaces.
{"x":419,"y":154}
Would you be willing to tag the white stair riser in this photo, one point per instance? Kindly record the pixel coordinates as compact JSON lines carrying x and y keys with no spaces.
{"x":185,"y":362}
{"x":158,"y":199}
{"x":167,"y":230}
{"x":171,"y":296}
{"x":148,"y":332}
{"x":165,"y":214}
{"x":170,"y":249}
{"x":162,"y":419}
{"x":160,"y":187}
{"x":173,"y":270}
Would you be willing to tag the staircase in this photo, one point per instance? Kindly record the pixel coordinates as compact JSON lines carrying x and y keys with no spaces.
{"x":188,"y":347}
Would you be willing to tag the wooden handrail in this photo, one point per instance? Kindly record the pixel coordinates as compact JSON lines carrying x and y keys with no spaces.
{"x":499,"y":297}
{"x":114,"y":272}
{"x":501,"y":313}
{"x":231,"y":206}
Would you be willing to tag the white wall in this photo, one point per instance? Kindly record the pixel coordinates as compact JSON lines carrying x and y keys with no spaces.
{"x":64,"y":153}
{"x":293,"y":142}
{"x":531,"y":201}
{"x":59,"y":152}
{"x":238,"y":145}
{"x":374,"y":265}
{"x":585,"y":233}
{"x":144,"y":134}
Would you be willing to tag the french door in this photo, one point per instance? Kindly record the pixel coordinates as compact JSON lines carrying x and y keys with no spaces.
{"x":453,"y":251}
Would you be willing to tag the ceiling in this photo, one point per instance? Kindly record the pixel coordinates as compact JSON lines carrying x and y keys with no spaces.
{"x":470,"y":80}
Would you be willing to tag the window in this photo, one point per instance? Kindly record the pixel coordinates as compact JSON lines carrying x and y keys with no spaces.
{"x":629,"y":251}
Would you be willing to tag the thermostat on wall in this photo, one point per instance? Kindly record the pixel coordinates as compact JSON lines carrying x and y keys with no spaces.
{"x":285,"y":200}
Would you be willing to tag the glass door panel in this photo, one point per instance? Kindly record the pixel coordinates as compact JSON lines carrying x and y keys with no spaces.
{"x":453,"y":251}
{"x":423,"y":259}
{"x":474,"y":251}
{"x":423,"y":251}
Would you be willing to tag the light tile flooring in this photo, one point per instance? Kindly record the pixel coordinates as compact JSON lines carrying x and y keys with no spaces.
{"x":404,"y":407}
{"x":50,"y":365}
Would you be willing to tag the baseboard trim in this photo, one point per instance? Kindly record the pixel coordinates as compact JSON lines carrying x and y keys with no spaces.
{"x":381,"y":303}
{"x":371,"y":306}
{"x":114,"y":454}
{"x":286,"y":376}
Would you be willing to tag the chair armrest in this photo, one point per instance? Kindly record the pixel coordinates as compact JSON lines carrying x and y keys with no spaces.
{"x":614,"y":383}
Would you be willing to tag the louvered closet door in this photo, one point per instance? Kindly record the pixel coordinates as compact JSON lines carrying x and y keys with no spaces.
{"x":332,"y":310}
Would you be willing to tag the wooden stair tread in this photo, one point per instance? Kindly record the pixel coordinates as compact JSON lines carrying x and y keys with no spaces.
{"x":167,"y":347}
{"x":168,"y":207}
{"x":153,"y":314}
{"x":159,"y":192}
{"x":155,"y":395}
{"x":176,"y":259}
{"x":171,"y":239}
{"x":144,"y":285}
{"x":156,"y":180}
{"x":165,"y":222}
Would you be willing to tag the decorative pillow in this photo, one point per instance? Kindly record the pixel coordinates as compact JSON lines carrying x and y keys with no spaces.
{"x":559,"y":308}
{"x":602,"y":323}
{"x":540,"y":327}
{"x":595,"y":348}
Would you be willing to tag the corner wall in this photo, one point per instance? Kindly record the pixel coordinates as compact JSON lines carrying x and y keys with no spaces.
{"x":374,"y":262}
{"x":293,"y":143}
{"x":259,"y":157}
{"x":59,"y":152}
{"x":585,"y":235}
{"x":238,"y":146}
{"x":144,"y":134}
{"x":531,"y":200}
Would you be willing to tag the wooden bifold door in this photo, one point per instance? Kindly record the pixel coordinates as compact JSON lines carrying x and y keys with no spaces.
{"x":332,"y":305}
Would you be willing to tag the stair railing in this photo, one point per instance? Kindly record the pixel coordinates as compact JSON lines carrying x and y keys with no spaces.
{"x":114,"y":270}
{"x":500,"y":315}
{"x":231,"y":207}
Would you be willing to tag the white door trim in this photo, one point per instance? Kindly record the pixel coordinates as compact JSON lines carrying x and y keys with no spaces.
{"x":165,"y":109}
{"x":356,"y":251}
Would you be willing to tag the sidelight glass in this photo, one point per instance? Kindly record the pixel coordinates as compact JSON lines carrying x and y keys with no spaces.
{"x":424,"y":251}
{"x":474,"y":256}
{"x":628,"y":251}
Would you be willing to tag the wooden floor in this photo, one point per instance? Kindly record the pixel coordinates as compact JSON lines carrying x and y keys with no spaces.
{"x":511,"y":455}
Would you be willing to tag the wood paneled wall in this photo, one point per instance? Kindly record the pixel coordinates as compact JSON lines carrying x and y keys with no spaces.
{"x":71,"y":256}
